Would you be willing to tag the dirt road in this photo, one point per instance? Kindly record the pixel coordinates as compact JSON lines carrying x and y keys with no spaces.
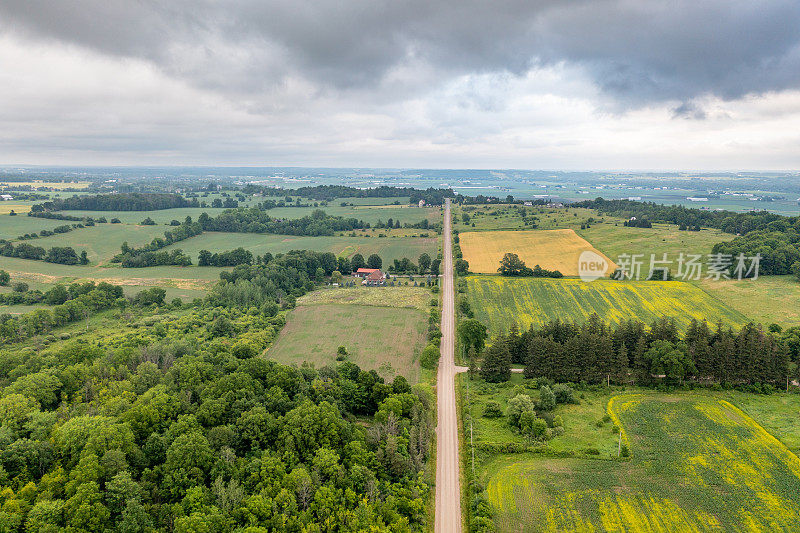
{"x":448,"y":489}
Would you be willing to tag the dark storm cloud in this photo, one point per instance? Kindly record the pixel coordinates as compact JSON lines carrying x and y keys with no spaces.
{"x":636,"y":51}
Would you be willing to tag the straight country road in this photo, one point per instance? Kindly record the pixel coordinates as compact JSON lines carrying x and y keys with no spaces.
{"x":448,"y":487}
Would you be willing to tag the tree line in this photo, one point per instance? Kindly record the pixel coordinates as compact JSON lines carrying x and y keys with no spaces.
{"x":629,"y":352}
{"x":64,"y":255}
{"x":431,"y":196}
{"x":511,"y":265}
{"x":125,"y":201}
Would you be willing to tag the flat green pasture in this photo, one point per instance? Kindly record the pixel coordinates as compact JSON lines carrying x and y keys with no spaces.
{"x":614,"y":239}
{"x":13,"y":227}
{"x":699,"y":464}
{"x":499,"y":302}
{"x":768,"y":299}
{"x":495,"y":217}
{"x":102,"y":241}
{"x":389,"y":248}
{"x":384,"y":339}
{"x":162,"y":217}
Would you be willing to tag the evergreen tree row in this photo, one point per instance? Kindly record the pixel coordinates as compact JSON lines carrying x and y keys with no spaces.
{"x":630,"y":352}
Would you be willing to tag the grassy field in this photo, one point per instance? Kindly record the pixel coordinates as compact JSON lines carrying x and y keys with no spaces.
{"x":550,"y":249}
{"x":103,"y":241}
{"x":402,"y":296}
{"x":613,"y":239}
{"x":13,"y":227}
{"x":389,"y":248}
{"x":499,"y":301}
{"x":494,"y":217}
{"x":699,"y":464}
{"x":384,"y":339}
{"x":766,"y":300}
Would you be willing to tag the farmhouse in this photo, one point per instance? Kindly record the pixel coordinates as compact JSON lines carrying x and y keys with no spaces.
{"x":375,"y":279}
{"x":4,"y":197}
{"x":364,"y":272}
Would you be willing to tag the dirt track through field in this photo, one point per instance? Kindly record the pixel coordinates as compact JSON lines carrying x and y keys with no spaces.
{"x":448,"y":489}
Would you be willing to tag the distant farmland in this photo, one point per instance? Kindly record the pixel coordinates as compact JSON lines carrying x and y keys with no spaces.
{"x":499,"y":301}
{"x":551,"y":249}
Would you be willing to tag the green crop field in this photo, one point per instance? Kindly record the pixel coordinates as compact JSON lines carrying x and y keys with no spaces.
{"x":698,"y":464}
{"x":496,"y":217}
{"x":103,"y":241}
{"x":368,"y":213}
{"x":389,"y":248}
{"x":13,"y":227}
{"x":384,"y":339}
{"x":766,"y":300}
{"x":498,"y":301}
{"x":614,"y":239}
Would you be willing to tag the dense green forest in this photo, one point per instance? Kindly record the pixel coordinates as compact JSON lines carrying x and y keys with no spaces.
{"x":168,"y":418}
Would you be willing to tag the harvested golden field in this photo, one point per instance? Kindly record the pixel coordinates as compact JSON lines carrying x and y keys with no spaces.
{"x":556,"y":249}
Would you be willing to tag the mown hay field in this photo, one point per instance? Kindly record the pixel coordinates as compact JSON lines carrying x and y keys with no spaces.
{"x":698,"y":464}
{"x":551,"y":249}
{"x":388,"y":340}
{"x":388,"y":248}
{"x":499,"y":302}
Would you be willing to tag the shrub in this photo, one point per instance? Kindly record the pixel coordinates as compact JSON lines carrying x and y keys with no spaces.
{"x":564,"y":393}
{"x":429,"y":358}
{"x":517,"y":406}
{"x":492,"y":409}
{"x":547,"y":399}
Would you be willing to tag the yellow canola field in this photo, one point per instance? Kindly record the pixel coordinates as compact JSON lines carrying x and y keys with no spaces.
{"x":557,"y":249}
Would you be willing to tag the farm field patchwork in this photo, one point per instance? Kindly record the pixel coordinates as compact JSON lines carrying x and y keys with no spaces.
{"x":550,"y":249}
{"x":389,"y":248}
{"x":699,"y":464}
{"x":384,"y":339}
{"x":499,"y":301}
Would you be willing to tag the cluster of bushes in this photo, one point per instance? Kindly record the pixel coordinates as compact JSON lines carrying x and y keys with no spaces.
{"x":64,"y":255}
{"x":634,"y":222}
{"x":82,"y":299}
{"x":57,"y":216}
{"x":57,"y":230}
{"x":512,"y":265}
{"x":128,"y":201}
{"x":597,"y":352}
{"x":429,"y":358}
{"x":239,"y":256}
{"x":534,"y":419}
{"x":424,"y":265}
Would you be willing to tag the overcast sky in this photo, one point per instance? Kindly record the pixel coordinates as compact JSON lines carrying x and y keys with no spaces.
{"x":538,"y":84}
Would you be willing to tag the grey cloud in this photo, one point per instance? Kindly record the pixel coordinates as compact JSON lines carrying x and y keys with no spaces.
{"x":689,"y":110}
{"x":636,"y":51}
